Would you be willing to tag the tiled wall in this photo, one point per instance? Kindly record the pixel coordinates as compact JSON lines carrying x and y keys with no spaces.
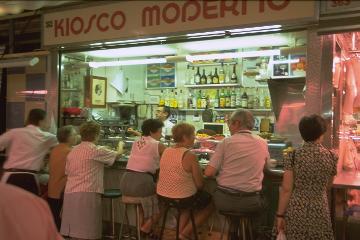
{"x":26,"y":89}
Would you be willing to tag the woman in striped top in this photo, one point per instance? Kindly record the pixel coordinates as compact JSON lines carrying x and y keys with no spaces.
{"x":181,"y":178}
{"x":82,"y":209}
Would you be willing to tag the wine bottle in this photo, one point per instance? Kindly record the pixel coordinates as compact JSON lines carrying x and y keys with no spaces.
{"x":203,"y":100}
{"x":180,"y":103}
{"x":227,"y":74}
{"x":221,"y":74}
{"x":216,"y":99}
{"x":238,"y":98}
{"x":203,"y":78}
{"x":215,"y":79}
{"x":233,"y":99}
{"x":256,"y":99}
{"x":209,"y":78}
{"x":222,"y":99}
{"x":244,"y":99}
{"x":198,"y":100}
{"x":233,"y":75}
{"x":197,"y":76}
{"x":190,"y":101}
{"x":162,"y":99}
{"x":228,"y":99}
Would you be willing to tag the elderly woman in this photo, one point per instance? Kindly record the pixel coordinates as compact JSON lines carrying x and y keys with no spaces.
{"x":139,"y":180}
{"x":181,"y":178}
{"x":303,"y":211}
{"x":82,"y":212}
{"x":67,"y":138}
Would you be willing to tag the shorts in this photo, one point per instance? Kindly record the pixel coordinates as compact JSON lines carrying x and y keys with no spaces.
{"x":198,"y":201}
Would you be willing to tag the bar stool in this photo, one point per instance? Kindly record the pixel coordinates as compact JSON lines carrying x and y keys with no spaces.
{"x":174,"y":203}
{"x":112,"y":194}
{"x":136,"y":202}
{"x":240,"y":224}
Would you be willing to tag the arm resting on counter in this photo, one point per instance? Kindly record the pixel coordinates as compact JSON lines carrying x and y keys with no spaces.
{"x":285,"y":193}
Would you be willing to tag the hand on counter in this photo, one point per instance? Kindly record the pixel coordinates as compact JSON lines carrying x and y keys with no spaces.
{"x":133,"y":132}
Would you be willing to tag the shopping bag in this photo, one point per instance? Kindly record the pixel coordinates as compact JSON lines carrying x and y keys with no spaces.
{"x":281,"y":236}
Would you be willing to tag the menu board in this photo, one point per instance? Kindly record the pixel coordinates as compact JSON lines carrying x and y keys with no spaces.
{"x":160,"y":75}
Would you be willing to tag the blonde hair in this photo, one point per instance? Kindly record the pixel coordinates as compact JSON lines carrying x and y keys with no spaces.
{"x":180,"y":130}
{"x":89,"y":131}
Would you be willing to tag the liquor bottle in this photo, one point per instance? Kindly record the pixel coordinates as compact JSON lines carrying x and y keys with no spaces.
{"x":180,"y":103}
{"x":162,"y":99}
{"x":250,"y":98}
{"x":215,"y":79}
{"x":209,"y":78}
{"x":256,"y":101}
{"x":198,"y":100}
{"x":194,"y":100}
{"x":216,"y":99}
{"x":167,"y":98}
{"x":233,"y":75}
{"x":233,"y":99}
{"x":203,"y":100}
{"x":192,"y":75}
{"x":267,"y":102}
{"x":261,"y":99}
{"x":221,"y":74}
{"x":190,"y":101}
{"x":227,"y":99}
{"x":238,"y":98}
{"x":244,"y":99}
{"x":227,"y":74}
{"x":203,"y":78}
{"x":174,"y":99}
{"x":222,"y":99}
{"x":197,"y":76}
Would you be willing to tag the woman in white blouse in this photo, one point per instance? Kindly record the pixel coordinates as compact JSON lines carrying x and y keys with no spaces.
{"x":139,"y":178}
{"x":82,"y":211}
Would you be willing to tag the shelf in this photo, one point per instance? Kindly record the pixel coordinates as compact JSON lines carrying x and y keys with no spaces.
{"x":210,"y":64}
{"x":222,"y":110}
{"x":213,"y":85}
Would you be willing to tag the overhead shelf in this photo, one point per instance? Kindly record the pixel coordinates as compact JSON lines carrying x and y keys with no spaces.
{"x":222,"y":110}
{"x":212,"y":85}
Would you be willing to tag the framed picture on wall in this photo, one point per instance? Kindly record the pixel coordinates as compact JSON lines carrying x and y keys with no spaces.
{"x":160,"y":76}
{"x":96,"y":91}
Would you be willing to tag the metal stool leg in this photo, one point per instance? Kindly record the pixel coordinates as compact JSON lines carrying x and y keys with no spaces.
{"x":243,"y":228}
{"x":223,"y":229}
{"x":112,"y":219}
{"x":164,"y":221}
{"x":250,"y":229}
{"x":193,"y":224}
{"x":138,"y":221}
{"x":123,"y":222}
{"x":178,"y":223}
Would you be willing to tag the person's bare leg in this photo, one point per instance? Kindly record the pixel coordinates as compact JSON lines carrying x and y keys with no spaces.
{"x":200,"y":218}
{"x":146,"y":227}
{"x":184,"y":220}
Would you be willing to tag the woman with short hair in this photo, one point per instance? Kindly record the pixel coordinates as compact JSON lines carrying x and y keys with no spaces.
{"x":139,"y":179}
{"x":82,"y":209}
{"x":181,"y":178}
{"x":303,"y":211}
{"x":67,"y":137}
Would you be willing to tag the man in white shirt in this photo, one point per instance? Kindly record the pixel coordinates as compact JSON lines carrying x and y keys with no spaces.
{"x":24,"y":216}
{"x":163,"y":114}
{"x":238,"y":163}
{"x":26,"y":148}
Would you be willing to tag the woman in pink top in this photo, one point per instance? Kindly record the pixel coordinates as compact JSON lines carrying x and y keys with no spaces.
{"x":181,"y":178}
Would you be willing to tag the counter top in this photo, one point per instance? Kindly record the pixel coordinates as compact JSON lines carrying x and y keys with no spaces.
{"x":347,"y":179}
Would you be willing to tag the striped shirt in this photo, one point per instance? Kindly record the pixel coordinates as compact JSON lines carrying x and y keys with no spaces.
{"x":85,"y":167}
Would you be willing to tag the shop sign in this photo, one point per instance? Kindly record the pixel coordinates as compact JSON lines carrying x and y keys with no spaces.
{"x":132,"y":19}
{"x":337,"y":6}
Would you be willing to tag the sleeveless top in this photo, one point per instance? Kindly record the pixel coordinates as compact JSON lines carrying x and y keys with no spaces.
{"x":144,"y":156}
{"x":174,"y":181}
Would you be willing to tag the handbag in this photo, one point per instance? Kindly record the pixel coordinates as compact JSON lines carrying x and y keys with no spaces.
{"x":281,"y":236}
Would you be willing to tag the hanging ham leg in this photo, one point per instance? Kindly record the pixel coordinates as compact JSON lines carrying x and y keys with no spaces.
{"x":350,"y":89}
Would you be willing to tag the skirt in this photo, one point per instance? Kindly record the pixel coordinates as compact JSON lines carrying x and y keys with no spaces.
{"x":82,"y":215}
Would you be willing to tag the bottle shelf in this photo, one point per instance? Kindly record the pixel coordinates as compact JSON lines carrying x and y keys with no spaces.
{"x":222,"y":109}
{"x":210,"y":64}
{"x":212,"y":85}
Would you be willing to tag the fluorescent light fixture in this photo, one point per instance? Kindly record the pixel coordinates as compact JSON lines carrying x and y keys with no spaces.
{"x":192,"y":58}
{"x":296,"y":60}
{"x":236,"y":43}
{"x":206,"y":33}
{"x":254,"y":29}
{"x":127,"y":62}
{"x":138,"y":40}
{"x":142,"y":51}
{"x":259,"y":31}
{"x":19,"y":62}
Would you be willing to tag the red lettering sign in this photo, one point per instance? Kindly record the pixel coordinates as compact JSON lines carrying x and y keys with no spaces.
{"x":208,"y":9}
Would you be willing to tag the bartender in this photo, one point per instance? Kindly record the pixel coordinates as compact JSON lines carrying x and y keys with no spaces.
{"x":163,"y":114}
